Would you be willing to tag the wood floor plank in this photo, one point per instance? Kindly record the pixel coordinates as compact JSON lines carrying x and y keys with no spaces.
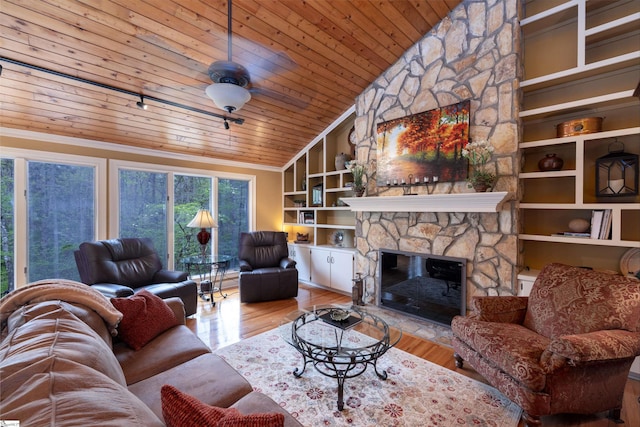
{"x":230,"y":321}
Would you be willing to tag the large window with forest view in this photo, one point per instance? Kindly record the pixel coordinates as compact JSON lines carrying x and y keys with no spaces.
{"x":150,"y":195}
{"x":49,"y":205}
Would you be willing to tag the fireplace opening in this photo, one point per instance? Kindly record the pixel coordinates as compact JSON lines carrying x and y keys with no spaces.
{"x":431,"y":287}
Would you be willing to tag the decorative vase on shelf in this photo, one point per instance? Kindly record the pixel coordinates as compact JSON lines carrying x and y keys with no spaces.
{"x":550,"y":162}
{"x":341,"y":159}
{"x":304,"y":183}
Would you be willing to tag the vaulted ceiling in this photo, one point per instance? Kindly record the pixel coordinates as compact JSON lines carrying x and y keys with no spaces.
{"x":308,"y":60}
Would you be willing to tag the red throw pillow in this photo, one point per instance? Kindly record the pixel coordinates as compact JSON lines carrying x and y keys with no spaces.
{"x":182,"y":410}
{"x":144,"y":317}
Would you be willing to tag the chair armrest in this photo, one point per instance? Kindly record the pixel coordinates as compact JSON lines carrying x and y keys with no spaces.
{"x":591,"y":347}
{"x":243,"y":265}
{"x":502,"y":309}
{"x":176,"y":304}
{"x":113,"y":290}
{"x":287,"y":263}
{"x":169,"y":276}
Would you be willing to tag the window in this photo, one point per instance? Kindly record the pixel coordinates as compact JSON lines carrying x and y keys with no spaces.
{"x":146,"y":199}
{"x":60,"y":201}
{"x":50,"y":204}
{"x":7,"y":276}
{"x":143,"y":207}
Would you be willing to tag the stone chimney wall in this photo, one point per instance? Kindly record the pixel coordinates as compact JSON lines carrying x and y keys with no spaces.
{"x":473,"y":54}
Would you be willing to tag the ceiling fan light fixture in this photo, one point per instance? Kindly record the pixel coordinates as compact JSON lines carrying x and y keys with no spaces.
{"x":228,"y":96}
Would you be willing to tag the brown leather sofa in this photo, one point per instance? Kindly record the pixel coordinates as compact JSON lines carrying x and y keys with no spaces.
{"x":567,"y":348}
{"x":121,"y":267}
{"x":266,"y":271}
{"x":60,"y":367}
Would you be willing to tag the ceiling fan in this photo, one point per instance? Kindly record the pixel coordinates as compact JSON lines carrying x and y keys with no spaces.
{"x":230,"y":80}
{"x":232,"y":86}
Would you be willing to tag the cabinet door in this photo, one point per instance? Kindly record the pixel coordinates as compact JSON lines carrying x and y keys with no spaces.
{"x":303,"y":262}
{"x":321,"y":267}
{"x":342,"y":271}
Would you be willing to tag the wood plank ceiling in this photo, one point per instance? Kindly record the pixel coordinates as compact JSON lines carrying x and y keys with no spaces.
{"x":308,"y":60}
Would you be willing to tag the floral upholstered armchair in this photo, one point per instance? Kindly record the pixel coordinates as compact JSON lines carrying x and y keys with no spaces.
{"x":567,"y":348}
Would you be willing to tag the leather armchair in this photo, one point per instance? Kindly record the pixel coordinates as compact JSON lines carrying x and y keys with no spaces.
{"x":266,"y":271}
{"x":121,"y":267}
{"x":567,"y":348}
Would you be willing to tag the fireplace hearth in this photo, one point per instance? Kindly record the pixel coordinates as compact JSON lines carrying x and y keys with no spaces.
{"x":428,"y":286}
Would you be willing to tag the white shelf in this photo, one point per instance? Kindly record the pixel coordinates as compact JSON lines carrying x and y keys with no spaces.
{"x":579,"y":240}
{"x":457,"y":202}
{"x":584,"y":137}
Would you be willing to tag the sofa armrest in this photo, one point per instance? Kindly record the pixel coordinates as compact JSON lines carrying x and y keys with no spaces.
{"x":287,"y":263}
{"x":169,"y":276}
{"x":177,"y":306}
{"x":502,"y":309}
{"x":243,"y":265}
{"x":113,"y":290}
{"x":591,"y":347}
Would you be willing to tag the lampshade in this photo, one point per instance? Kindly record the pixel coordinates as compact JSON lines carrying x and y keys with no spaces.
{"x":228,"y":96}
{"x":203,"y":219}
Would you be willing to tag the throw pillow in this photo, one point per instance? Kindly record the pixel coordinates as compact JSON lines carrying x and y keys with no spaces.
{"x":144,"y":317}
{"x":182,"y":410}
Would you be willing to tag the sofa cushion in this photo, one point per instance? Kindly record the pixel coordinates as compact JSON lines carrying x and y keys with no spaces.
{"x":182,"y":410}
{"x":171,"y":348}
{"x":52,"y":330}
{"x":563,"y":301}
{"x":145,"y":316}
{"x":57,"y":392}
{"x":207,"y":378}
{"x":511,"y":347}
{"x":256,"y":402}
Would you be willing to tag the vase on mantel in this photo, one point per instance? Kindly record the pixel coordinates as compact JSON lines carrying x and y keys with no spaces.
{"x":481,"y":187}
{"x":358,"y":191}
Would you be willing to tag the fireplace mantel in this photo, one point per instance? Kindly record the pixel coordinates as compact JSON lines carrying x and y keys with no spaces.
{"x":456,"y":202}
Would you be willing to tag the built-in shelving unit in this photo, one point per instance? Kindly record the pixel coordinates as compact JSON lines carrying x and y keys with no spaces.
{"x":581,"y":60}
{"x":314,"y":187}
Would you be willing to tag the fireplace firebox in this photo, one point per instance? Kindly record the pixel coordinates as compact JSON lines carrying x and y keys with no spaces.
{"x":428,"y":286}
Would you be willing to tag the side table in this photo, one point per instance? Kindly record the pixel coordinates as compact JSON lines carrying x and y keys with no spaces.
{"x":215,"y":266}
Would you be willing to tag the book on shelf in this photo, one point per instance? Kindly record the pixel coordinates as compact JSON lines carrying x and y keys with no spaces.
{"x":572,"y":234}
{"x":596,"y":223}
{"x":601,"y":223}
{"x":605,"y":229}
{"x":306,"y":218}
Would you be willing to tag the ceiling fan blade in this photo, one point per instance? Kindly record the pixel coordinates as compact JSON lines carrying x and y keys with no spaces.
{"x":289,"y":102}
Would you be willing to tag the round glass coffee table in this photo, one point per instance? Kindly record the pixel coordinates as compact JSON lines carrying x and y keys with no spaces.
{"x":340,"y":342}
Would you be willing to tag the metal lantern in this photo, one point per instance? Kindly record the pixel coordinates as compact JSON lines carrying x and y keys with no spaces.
{"x":617,"y":173}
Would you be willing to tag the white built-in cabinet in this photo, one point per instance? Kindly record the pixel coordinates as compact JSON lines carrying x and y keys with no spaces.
{"x":301,"y":254}
{"x":312,"y":191}
{"x":332,"y":268}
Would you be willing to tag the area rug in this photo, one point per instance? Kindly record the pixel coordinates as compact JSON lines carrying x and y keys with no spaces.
{"x":416,"y":392}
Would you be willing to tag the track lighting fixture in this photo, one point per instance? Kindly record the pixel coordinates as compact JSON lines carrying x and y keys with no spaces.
{"x":226,"y":124}
{"x":141,"y":103}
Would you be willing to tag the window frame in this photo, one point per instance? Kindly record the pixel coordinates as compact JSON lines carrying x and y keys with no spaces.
{"x":114,"y":195}
{"x":20,"y":159}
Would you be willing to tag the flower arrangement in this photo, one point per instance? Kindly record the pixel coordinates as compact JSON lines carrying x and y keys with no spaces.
{"x":358,"y":171}
{"x":479,"y":153}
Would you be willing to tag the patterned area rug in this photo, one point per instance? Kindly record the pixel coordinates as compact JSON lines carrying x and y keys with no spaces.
{"x":416,"y":392}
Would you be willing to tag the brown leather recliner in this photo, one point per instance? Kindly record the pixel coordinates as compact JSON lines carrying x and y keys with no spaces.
{"x":567,"y":348}
{"x":121,"y":267}
{"x":266,"y":271}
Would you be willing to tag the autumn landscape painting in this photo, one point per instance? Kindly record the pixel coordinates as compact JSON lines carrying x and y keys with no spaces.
{"x":426,"y":145}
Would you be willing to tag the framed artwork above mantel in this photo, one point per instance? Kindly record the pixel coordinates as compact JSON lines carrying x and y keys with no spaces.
{"x":428,"y":146}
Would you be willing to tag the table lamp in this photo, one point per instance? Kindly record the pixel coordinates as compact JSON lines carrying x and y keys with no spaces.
{"x":203,"y":220}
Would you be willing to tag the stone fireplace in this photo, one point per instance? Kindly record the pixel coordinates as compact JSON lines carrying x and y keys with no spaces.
{"x":473,"y":54}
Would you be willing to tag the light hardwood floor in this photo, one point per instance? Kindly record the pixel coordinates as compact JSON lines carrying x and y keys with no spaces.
{"x":231,"y":321}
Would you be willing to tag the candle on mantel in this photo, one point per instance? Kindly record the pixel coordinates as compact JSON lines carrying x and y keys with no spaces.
{"x":395,"y":181}
{"x":417,"y":180}
{"x":426,"y":179}
{"x":403,"y":181}
{"x":435,"y":179}
{"x":388,"y":182}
